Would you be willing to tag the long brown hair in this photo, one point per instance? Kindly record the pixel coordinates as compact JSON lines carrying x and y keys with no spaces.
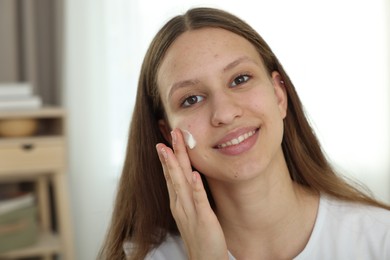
{"x":141,"y":213}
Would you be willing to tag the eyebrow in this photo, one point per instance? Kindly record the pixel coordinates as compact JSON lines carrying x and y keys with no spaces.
{"x":237,"y":62}
{"x":181,"y":84}
{"x":187,"y":83}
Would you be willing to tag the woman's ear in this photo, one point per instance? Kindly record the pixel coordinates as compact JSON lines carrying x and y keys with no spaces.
{"x":280,"y":92}
{"x":165,"y":130}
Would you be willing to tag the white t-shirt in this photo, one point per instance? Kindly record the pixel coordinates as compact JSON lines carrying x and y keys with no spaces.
{"x":342,"y":230}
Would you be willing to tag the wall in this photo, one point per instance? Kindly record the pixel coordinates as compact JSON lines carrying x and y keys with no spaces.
{"x":85,"y":93}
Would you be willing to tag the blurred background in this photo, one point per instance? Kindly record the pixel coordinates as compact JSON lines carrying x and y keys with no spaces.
{"x":85,"y":56}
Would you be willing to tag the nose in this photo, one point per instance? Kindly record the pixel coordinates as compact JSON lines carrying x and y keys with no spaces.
{"x":225,"y":109}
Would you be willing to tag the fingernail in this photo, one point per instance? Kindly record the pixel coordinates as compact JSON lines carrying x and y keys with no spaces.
{"x":173,"y":134}
{"x":164,"y":153}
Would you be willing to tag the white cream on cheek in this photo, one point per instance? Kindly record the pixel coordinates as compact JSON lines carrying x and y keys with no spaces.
{"x":189,"y":139}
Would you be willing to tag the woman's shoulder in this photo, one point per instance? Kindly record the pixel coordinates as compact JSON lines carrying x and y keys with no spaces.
{"x":348,"y":230}
{"x":355,"y":213}
{"x":171,"y":248}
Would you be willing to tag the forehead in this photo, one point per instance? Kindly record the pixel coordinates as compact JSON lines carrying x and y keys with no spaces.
{"x":201,"y":50}
{"x":205,"y":41}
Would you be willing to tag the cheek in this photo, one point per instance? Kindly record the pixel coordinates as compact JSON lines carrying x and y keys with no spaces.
{"x":263,"y":103}
{"x":200,"y":133}
{"x":195,"y":125}
{"x":256,"y":104}
{"x":182,"y":123}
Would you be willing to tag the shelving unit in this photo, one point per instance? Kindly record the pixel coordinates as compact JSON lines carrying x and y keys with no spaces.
{"x":41,"y":159}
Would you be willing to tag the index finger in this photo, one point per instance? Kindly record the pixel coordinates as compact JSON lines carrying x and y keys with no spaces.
{"x":181,"y":153}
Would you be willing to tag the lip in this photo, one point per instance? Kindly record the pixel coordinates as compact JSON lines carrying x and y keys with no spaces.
{"x":241,"y":147}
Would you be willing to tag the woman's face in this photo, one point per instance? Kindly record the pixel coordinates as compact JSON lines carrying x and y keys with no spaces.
{"x":213,"y":83}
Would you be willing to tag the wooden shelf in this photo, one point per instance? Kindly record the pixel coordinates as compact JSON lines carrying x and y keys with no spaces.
{"x":41,"y":160}
{"x":47,"y":244}
{"x":32,"y":139}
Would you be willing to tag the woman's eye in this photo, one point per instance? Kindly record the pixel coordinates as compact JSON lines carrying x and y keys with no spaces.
{"x":191,"y":100}
{"x":239,"y":80}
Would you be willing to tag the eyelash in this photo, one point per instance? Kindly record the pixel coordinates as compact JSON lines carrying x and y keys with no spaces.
{"x":246,"y":77}
{"x":185,"y":100}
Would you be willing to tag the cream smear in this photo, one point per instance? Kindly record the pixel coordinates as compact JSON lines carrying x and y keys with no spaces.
{"x":189,"y":139}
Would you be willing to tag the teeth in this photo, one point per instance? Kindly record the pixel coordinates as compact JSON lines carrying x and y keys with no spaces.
{"x":237,"y":140}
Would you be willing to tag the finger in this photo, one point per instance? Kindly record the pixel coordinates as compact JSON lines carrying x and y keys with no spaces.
{"x":162,"y":156}
{"x":201,"y":200}
{"x":181,"y":153}
{"x":179,"y":182}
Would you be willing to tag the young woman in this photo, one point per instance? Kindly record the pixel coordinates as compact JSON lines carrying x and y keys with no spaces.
{"x":257,"y":184}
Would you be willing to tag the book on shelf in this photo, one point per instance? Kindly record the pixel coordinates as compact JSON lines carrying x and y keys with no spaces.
{"x":16,"y":202}
{"x":20,"y":102}
{"x":18,"y":95}
{"x":15,"y":89}
{"x":18,"y":222}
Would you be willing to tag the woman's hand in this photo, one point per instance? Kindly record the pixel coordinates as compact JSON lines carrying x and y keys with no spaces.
{"x":197,"y":222}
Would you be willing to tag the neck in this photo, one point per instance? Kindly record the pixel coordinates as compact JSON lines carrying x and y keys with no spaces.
{"x":268,"y":211}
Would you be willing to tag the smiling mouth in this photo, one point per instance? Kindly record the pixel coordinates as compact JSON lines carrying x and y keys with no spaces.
{"x":237,"y":140}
